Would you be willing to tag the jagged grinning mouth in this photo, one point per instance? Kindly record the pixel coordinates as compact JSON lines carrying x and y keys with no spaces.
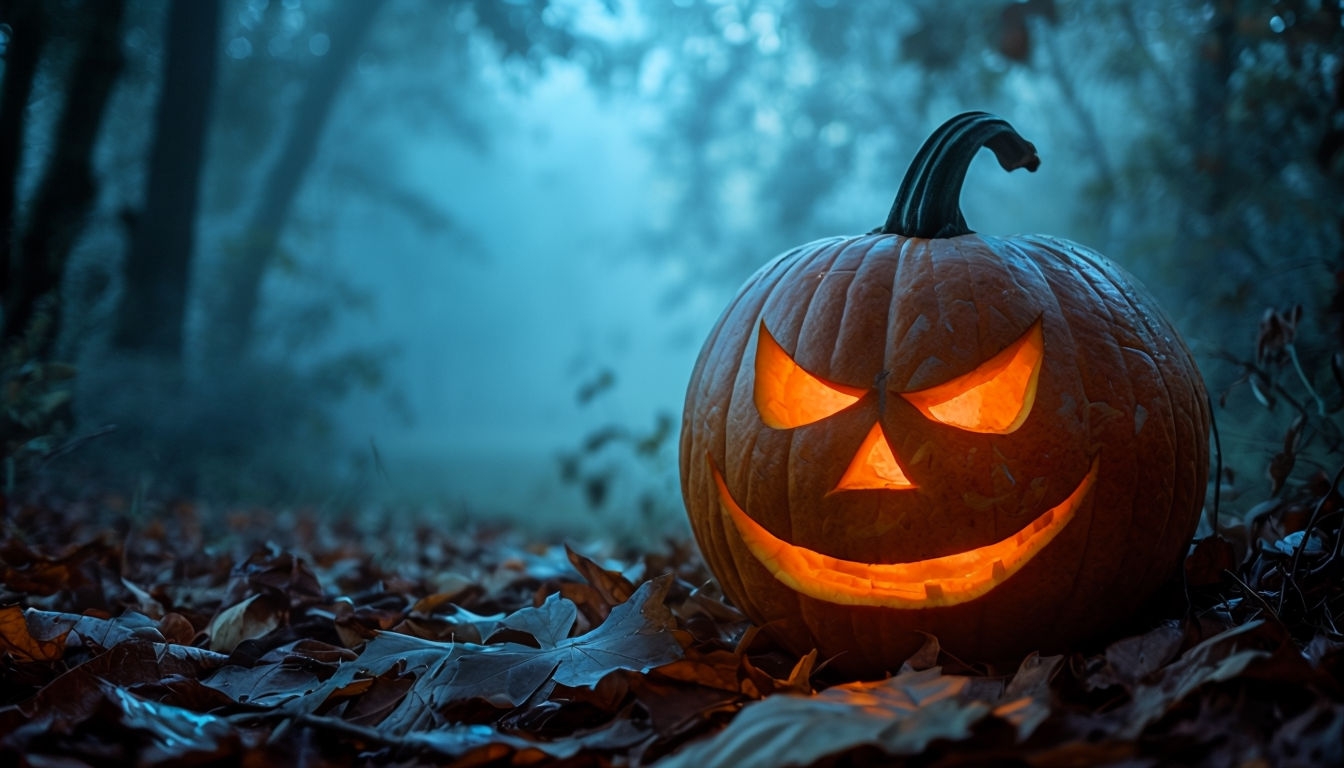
{"x":936,"y":582}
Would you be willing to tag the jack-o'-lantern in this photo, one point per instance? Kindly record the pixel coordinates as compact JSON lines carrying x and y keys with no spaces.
{"x":1001,"y":442}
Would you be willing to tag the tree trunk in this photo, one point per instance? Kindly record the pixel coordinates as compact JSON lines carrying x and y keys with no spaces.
{"x":27,"y":35}
{"x":154,"y":292}
{"x":67,"y":189}
{"x":1218,"y":52}
{"x":242,"y":280}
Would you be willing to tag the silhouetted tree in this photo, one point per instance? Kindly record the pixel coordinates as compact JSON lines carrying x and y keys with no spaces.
{"x":67,"y":188}
{"x":22,"y":50}
{"x":158,"y":262}
{"x":248,"y":262}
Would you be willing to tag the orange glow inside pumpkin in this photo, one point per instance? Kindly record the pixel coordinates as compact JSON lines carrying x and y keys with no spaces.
{"x":996,"y":397}
{"x":874,"y":466}
{"x":788,"y":396}
{"x":935,"y":582}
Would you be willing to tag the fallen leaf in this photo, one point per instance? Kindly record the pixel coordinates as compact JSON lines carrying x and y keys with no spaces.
{"x":902,"y":715}
{"x":1026,"y":700}
{"x":1314,"y":737}
{"x":1221,"y":657}
{"x":636,"y":636}
{"x":611,"y":585}
{"x":252,"y":618}
{"x":18,"y":643}
{"x":1131,"y":659}
{"x":548,"y":625}
{"x":173,"y":734}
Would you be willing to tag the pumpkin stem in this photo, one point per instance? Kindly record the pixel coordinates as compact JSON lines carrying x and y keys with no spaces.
{"x":929,"y":201}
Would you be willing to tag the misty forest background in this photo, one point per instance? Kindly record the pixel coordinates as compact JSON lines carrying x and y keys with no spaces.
{"x":456,"y":257}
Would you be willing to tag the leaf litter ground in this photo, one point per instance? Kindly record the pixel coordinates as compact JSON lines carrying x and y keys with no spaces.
{"x":160,"y":644}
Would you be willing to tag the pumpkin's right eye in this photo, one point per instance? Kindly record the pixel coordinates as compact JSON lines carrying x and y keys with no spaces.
{"x":788,"y":396}
{"x":996,"y":397}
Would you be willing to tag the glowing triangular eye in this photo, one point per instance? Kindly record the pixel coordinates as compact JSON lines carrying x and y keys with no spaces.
{"x":996,"y":397}
{"x":788,"y":396}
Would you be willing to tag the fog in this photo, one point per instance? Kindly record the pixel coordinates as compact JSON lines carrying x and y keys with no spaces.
{"x":520,"y":219}
{"x":496,"y":333}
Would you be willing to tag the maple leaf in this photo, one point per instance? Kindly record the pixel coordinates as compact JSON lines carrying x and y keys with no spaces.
{"x":636,"y":636}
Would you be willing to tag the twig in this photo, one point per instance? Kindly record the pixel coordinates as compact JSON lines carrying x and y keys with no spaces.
{"x":1306,"y":537}
{"x":75,"y":442}
{"x":1217,"y":463}
{"x":1251,"y":369}
{"x":1297,"y":366}
{"x":1255,"y":596}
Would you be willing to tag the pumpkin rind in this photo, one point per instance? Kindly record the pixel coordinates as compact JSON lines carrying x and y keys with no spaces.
{"x":889,"y":314}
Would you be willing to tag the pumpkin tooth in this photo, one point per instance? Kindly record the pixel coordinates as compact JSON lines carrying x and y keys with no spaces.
{"x":933,"y":590}
{"x":999,"y":570}
{"x":1044,"y":520}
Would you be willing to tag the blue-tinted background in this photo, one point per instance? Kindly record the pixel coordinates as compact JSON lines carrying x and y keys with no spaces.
{"x":520,"y":219}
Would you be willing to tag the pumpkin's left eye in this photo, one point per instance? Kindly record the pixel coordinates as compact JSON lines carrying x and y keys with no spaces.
{"x":996,"y":397}
{"x":788,"y":396}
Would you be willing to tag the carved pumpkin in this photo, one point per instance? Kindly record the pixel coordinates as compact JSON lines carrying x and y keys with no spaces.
{"x":998,"y":441}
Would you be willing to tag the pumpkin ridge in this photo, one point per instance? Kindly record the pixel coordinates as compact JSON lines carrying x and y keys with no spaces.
{"x":757,"y":291}
{"x":1145,"y":315}
{"x":818,"y":261}
{"x":969,"y":282}
{"x":1055,"y":291}
{"x":814,"y":312}
{"x":1134,"y":318}
{"x":894,"y":346}
{"x":741,"y":558}
{"x":871,"y":261}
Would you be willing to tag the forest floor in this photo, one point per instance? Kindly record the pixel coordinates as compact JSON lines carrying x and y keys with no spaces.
{"x":166,"y":634}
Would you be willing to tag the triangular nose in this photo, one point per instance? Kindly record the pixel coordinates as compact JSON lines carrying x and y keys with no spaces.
{"x":874,"y":466}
